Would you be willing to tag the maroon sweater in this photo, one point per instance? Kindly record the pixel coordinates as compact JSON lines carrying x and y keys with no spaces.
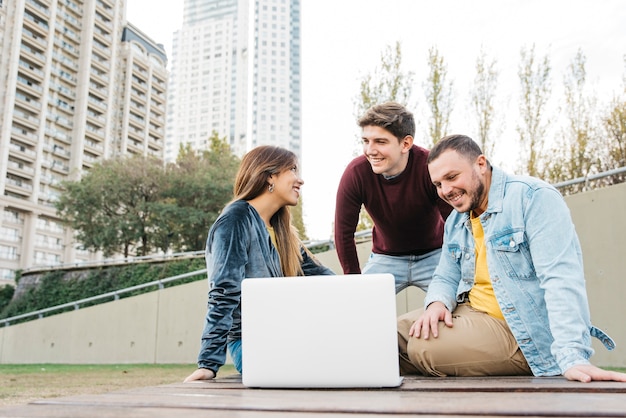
{"x":408,"y":214}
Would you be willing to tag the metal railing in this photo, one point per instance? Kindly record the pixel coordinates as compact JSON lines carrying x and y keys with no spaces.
{"x":99,"y":298}
{"x":589,"y":178}
{"x":114,"y":261}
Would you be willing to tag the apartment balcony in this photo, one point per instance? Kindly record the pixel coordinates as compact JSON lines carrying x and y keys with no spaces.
{"x":135,"y":146}
{"x":33,"y":54}
{"x":99,"y":76}
{"x":24,"y":135}
{"x":137,"y":95}
{"x":104,"y":20}
{"x":101,"y":90}
{"x":25,"y":118}
{"x":68,"y":63}
{"x":60,"y":167}
{"x":10,"y":237}
{"x":100,"y":62}
{"x":157,"y":131}
{"x":29,"y":86}
{"x":157,"y":105}
{"x":96,"y":118}
{"x":94,"y":147}
{"x":102,"y":35}
{"x":74,"y":7}
{"x":22,"y":151}
{"x":71,"y":20}
{"x":135,"y":133}
{"x":67,"y":47}
{"x":61,"y":152}
{"x":97,"y":103}
{"x":68,"y":93}
{"x":40,"y":10}
{"x":136,"y":121}
{"x":20,"y":168}
{"x":139,"y":84}
{"x":64,"y":75}
{"x":36,"y":25}
{"x":89,"y":160}
{"x":27,"y":101}
{"x":105,"y":7}
{"x":7,"y":255}
{"x":65,"y":32}
{"x":103,"y":48}
{"x":56,"y":134}
{"x":31,"y":71}
{"x":18,"y":186}
{"x":33,"y":38}
{"x":94,"y":132}
{"x":48,"y":245}
{"x":61,"y":120}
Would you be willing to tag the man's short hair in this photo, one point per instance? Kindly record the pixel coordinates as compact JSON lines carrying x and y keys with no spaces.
{"x":462,"y":144}
{"x":391,"y":116}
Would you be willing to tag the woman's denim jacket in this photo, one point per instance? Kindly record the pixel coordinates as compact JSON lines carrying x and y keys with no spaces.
{"x":536,"y":268}
{"x":238,"y":247}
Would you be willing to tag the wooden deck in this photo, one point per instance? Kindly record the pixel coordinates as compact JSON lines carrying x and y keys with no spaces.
{"x":452,"y":397}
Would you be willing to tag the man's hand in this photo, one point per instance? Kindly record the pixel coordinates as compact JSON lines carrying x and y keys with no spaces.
{"x":586,"y":373}
{"x":200,"y":374}
{"x":429,"y":321}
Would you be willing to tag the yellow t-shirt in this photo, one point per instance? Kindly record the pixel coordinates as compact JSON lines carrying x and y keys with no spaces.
{"x":272,"y":235}
{"x":481,"y":296}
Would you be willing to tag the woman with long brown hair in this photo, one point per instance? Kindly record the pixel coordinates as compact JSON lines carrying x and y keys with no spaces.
{"x":252,"y":237}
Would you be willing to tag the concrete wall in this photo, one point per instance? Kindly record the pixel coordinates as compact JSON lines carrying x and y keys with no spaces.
{"x":164,"y":326}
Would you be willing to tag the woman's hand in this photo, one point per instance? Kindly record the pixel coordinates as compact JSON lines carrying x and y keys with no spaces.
{"x":200,"y":374}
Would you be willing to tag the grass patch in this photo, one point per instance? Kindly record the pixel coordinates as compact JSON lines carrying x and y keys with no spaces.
{"x":23,"y":383}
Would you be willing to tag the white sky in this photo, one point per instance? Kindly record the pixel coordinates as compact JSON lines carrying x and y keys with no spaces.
{"x":342,"y":41}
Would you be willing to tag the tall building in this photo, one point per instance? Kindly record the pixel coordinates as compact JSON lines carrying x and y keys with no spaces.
{"x":77,"y":84}
{"x":235,"y":71}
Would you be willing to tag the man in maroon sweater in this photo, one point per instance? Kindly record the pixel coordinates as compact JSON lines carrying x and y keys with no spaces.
{"x":391,"y":180}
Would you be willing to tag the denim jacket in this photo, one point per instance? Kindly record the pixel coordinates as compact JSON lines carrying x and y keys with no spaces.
{"x":238,"y":247}
{"x":536,"y":268}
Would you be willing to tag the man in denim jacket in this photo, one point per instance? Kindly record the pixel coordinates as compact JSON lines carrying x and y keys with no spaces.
{"x":508,"y":296}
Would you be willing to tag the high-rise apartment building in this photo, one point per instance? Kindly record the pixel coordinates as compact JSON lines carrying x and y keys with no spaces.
{"x":77,"y":84}
{"x":235,"y":71}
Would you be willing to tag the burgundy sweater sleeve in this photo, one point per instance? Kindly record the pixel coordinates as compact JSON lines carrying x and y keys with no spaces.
{"x":347,"y":209}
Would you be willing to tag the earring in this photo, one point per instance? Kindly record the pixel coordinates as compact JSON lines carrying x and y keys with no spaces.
{"x":270,"y":188}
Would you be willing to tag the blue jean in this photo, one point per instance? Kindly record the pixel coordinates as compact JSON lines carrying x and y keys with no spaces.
{"x":408,"y":270}
{"x":234,"y":347}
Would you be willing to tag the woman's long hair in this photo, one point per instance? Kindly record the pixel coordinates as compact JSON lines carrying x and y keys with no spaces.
{"x":251,"y":181}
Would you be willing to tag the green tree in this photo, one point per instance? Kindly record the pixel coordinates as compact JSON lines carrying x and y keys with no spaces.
{"x":111,"y":207}
{"x":197,"y":188}
{"x":536,"y":88}
{"x":439,"y":93}
{"x":614,"y":124}
{"x":6,"y":294}
{"x":482,"y":96}
{"x":615,"y":127}
{"x":387,"y":83}
{"x":298,"y":221}
{"x":577,"y":153}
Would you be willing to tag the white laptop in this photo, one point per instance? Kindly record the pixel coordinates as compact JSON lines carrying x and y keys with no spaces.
{"x":320,"y":332}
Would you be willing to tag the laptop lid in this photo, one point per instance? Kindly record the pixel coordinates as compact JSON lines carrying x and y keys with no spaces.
{"x":320,"y":331}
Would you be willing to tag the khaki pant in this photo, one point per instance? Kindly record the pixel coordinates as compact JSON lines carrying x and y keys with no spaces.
{"x":477,"y":345}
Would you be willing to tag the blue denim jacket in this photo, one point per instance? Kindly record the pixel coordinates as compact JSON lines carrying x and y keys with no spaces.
{"x":238,"y":247}
{"x":536,"y":268}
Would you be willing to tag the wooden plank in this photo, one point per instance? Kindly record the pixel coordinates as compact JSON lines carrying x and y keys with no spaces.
{"x":360,"y":402}
{"x":72,"y":411}
{"x":468,"y":397}
{"x":460,"y":384}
